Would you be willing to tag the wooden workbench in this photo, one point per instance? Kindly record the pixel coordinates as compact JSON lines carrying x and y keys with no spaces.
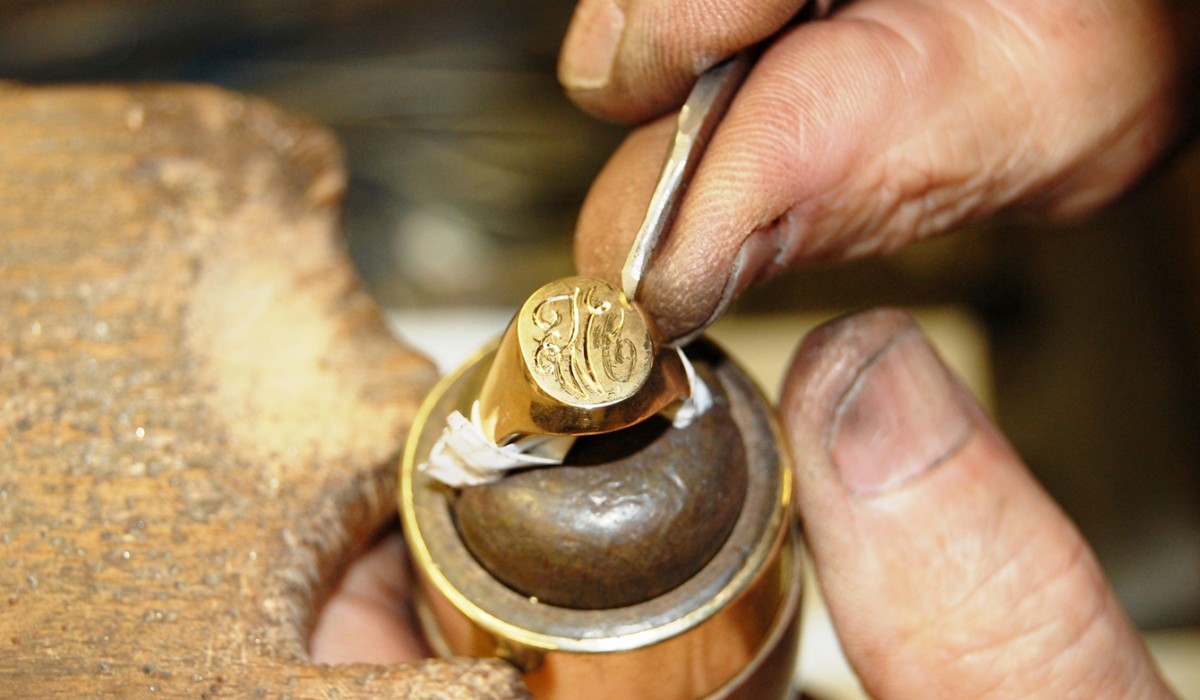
{"x":200,"y":408}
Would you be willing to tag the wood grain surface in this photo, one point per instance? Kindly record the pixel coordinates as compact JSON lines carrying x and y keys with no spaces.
{"x":200,"y":408}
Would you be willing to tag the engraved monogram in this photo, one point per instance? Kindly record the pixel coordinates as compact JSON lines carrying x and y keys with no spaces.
{"x":585,"y":342}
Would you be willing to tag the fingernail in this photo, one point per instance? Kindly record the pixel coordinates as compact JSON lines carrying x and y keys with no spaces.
{"x":903,"y":414}
{"x":590,"y":47}
{"x":762,"y":255}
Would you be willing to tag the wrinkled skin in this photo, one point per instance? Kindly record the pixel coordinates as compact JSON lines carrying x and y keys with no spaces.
{"x":893,"y":121}
{"x":948,"y":571}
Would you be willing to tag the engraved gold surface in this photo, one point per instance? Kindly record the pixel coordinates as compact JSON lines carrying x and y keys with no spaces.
{"x":584,"y":343}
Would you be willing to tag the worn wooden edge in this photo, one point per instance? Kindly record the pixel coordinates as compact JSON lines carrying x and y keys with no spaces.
{"x":202,"y":406}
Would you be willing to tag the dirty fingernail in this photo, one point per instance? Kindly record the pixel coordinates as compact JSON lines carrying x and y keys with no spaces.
{"x":762,"y":255}
{"x":903,"y":414}
{"x":590,"y":48}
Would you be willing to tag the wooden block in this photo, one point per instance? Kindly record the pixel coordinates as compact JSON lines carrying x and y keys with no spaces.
{"x":200,"y":408}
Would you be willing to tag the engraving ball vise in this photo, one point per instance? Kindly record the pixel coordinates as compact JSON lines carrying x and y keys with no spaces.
{"x":654,"y":555}
{"x":655,"y":562}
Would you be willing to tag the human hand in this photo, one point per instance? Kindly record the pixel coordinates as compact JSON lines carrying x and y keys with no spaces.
{"x":956,"y":574}
{"x":890,"y":122}
{"x":948,"y":571}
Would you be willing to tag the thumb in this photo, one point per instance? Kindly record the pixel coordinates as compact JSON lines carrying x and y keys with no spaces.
{"x":948,"y":571}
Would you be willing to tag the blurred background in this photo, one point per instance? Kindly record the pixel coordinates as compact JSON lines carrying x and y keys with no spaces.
{"x":468,"y":167}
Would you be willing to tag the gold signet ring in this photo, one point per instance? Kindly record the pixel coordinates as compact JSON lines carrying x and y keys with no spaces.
{"x":578,"y":358}
{"x":581,"y":357}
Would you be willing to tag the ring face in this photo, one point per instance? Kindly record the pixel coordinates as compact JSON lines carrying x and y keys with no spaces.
{"x":584,"y":343}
